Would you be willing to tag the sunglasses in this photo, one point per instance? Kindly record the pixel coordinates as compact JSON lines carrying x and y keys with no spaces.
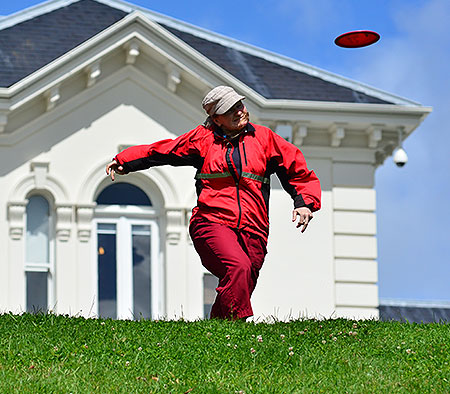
{"x":238,"y":106}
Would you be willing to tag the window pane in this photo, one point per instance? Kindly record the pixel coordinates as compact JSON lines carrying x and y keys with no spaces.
{"x":210,"y":282}
{"x":37,"y":284}
{"x":123,"y":194}
{"x":107,"y":227}
{"x":143,"y":229}
{"x":37,"y":239}
{"x":141,"y":272}
{"x":107,"y":271}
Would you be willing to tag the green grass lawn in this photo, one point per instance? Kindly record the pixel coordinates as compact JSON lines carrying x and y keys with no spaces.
{"x":57,"y":354}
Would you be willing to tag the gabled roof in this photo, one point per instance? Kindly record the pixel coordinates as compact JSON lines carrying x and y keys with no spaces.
{"x":28,"y":46}
{"x":272,"y":80}
{"x":33,"y":38}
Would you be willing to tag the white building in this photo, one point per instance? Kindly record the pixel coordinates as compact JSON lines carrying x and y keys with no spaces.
{"x":80,"y":80}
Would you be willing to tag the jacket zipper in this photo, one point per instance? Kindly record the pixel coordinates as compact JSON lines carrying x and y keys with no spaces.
{"x":235,"y":177}
{"x":245,"y":154}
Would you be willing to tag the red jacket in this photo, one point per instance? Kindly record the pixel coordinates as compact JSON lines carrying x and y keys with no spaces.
{"x":233,"y":177}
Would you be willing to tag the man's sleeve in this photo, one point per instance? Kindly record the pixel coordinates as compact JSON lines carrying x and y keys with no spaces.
{"x":289,"y":164}
{"x":180,"y":151}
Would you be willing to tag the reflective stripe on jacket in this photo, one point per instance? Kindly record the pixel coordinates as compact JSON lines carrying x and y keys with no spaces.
{"x":233,"y":176}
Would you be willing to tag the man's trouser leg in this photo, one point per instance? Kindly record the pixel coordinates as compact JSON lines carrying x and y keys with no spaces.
{"x":235,"y":258}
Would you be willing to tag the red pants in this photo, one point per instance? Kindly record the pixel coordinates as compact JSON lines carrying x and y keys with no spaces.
{"x":235,"y":257}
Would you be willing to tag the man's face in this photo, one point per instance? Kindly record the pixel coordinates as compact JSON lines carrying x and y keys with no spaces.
{"x":235,"y":119}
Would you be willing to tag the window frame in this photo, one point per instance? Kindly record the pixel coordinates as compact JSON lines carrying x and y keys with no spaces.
{"x":49,"y":266}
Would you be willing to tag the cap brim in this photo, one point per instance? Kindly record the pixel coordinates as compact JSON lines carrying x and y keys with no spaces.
{"x":229,"y":104}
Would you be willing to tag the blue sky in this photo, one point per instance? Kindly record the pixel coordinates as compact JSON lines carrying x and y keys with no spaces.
{"x":411,"y":60}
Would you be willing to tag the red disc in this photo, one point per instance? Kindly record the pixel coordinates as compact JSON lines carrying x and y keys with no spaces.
{"x":357,"y":39}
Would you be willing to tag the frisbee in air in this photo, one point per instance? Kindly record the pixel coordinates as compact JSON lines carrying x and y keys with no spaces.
{"x":357,"y":39}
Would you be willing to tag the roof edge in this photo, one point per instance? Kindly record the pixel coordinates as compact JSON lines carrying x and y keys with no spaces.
{"x":32,"y":12}
{"x":263,"y":53}
{"x":51,"y":5}
{"x":415,"y":303}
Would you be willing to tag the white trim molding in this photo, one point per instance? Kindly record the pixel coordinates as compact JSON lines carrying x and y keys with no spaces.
{"x":39,"y":179}
{"x":93,"y":72}
{"x":132,"y":51}
{"x":84,"y":216}
{"x":375,"y":134}
{"x":174,"y":218}
{"x":337,"y":132}
{"x":64,"y":217}
{"x":52,"y":96}
{"x":16,"y":215}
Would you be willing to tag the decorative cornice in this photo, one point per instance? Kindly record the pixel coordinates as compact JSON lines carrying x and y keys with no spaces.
{"x":337,"y":133}
{"x":93,"y":72}
{"x":173,"y":77}
{"x":84,"y":215}
{"x":87,"y":58}
{"x":375,"y":135}
{"x":52,"y":96}
{"x":174,"y":219}
{"x":64,"y":216}
{"x":132,"y":51}
{"x":16,"y":212}
{"x":300,"y":133}
{"x":40,"y":171}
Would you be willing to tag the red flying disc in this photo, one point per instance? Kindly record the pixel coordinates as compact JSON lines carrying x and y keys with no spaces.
{"x":357,"y":39}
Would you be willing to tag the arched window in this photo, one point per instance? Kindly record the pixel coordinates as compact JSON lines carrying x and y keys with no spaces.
{"x":128,"y":267}
{"x":123,"y":194}
{"x":38,"y":254}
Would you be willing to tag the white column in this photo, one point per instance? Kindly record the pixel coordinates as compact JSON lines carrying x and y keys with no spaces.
{"x":355,"y":252}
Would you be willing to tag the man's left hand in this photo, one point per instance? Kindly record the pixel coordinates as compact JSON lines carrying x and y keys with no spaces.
{"x":305,"y":215}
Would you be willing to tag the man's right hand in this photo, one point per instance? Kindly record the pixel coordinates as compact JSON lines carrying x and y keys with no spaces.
{"x":112,"y":168}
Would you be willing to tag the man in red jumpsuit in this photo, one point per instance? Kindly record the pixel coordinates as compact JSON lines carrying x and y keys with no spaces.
{"x":234,"y":160}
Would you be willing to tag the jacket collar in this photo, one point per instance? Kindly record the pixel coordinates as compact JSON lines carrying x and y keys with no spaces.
{"x":218,"y":132}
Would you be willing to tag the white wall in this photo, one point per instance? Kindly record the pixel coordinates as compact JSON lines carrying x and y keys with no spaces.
{"x":76,"y":143}
{"x":297,"y":278}
{"x":330,"y":270}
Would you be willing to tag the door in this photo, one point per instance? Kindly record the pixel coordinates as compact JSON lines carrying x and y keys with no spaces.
{"x":129,"y":278}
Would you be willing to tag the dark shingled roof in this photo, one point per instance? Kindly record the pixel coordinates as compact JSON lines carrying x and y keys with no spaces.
{"x":30,"y":45}
{"x":272,"y":80}
{"x":414,"y":314}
